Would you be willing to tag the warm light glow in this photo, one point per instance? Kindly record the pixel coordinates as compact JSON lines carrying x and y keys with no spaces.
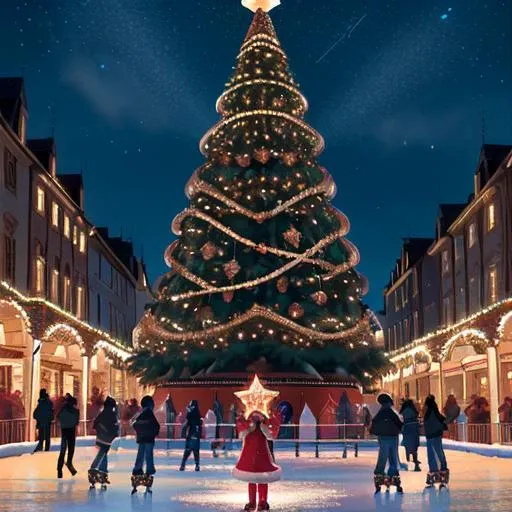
{"x":266,"y":5}
{"x":256,"y":398}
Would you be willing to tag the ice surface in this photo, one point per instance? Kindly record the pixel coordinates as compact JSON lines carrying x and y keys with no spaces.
{"x":330,"y":483}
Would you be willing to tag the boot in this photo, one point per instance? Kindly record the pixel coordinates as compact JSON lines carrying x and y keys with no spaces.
{"x":417,"y":466}
{"x":430,"y":481}
{"x":250,"y":507}
{"x":71,"y":468}
{"x":263,"y":505}
{"x":182,"y":467}
{"x":59,"y":473}
{"x":398,"y":484}
{"x":198,"y":468}
{"x":378,"y":480}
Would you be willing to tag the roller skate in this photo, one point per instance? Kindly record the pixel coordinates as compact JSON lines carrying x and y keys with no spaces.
{"x":444,"y":478}
{"x":98,"y":477}
{"x":379,"y":481}
{"x":395,"y":480}
{"x":430,"y":480}
{"x":142,"y":479}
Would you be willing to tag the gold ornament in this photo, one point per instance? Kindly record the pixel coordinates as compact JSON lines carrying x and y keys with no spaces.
{"x":289,"y":159}
{"x":262,"y":155}
{"x":208,"y":250}
{"x":282,"y":284}
{"x":231,"y":269}
{"x":228,"y":296}
{"x":293,"y":236}
{"x":256,"y":398}
{"x":243,"y":160}
{"x":319,"y":297}
{"x":296,"y":310}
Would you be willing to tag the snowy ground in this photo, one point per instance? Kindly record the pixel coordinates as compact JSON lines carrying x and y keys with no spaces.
{"x":28,"y":483}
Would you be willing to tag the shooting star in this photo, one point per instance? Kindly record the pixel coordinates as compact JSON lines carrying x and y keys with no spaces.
{"x":356,"y":25}
{"x":347,"y":34}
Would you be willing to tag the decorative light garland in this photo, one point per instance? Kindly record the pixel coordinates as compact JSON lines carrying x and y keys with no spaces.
{"x":262,"y":81}
{"x":149,"y":326}
{"x":317,"y":149}
{"x":474,"y":333}
{"x":63,"y":327}
{"x":21,"y":311}
{"x":122,"y":354}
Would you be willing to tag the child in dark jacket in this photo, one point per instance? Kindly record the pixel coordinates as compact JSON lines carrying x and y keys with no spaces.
{"x":68,"y":418}
{"x":106,"y":425}
{"x":43,"y":414}
{"x":435,"y":425}
{"x":147,"y":429}
{"x":387,"y":425}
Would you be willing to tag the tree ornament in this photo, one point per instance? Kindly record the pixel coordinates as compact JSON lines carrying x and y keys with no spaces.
{"x":205,"y":313}
{"x":319,"y":297}
{"x":257,"y":399}
{"x":208,"y":250}
{"x":228,"y":296}
{"x":289,"y":159}
{"x":243,"y":160}
{"x":225,"y":159}
{"x":262,"y":155}
{"x":282,"y":284}
{"x":293,"y":236}
{"x":231,"y":269}
{"x":261,"y":248}
{"x":295,"y":310}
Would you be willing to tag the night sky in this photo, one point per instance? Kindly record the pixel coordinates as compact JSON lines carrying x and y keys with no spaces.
{"x":399,"y":90}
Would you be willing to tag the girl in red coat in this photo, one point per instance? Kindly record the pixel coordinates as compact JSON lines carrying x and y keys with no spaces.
{"x":256,"y":465}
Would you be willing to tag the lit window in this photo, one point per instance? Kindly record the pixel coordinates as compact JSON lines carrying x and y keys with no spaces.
{"x":445,"y":262}
{"x":79,"y":302}
{"x":66,"y":295}
{"x":472,"y":235}
{"x":67,"y":227}
{"x":40,"y":265}
{"x":75,"y":235}
{"x":55,"y":215}
{"x":82,"y":242}
{"x":54,"y":286}
{"x":491,"y":217}
{"x":493,"y":284}
{"x":40,"y":198}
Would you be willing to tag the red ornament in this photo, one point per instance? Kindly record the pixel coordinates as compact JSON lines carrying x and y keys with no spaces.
{"x":225,"y":159}
{"x":228,"y":296}
{"x":296,"y":310}
{"x":208,"y":250}
{"x":320,"y":297}
{"x":289,"y":159}
{"x":293,"y":236}
{"x":243,"y":160}
{"x":282,"y":284}
{"x":231,"y":269}
{"x":262,"y":155}
{"x":261,"y":248}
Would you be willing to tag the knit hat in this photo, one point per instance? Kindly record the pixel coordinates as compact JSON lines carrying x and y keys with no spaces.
{"x":384,"y":398}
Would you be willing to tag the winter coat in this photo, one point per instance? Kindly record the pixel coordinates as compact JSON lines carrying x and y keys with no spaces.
{"x":192,"y":434}
{"x":146,"y":426}
{"x":106,"y":425}
{"x":256,"y":464}
{"x":68,"y":416}
{"x":386,"y":423}
{"x":452,"y":413}
{"x":43,"y":413}
{"x":411,"y":430}
{"x":434,"y":424}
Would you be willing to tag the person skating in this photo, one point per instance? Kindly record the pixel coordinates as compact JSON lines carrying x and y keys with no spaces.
{"x":387,"y":425}
{"x":106,"y":425}
{"x":435,"y":424}
{"x":68,"y":418}
{"x":192,"y":433}
{"x":411,"y":432}
{"x":147,"y":429}
{"x":43,"y":414}
{"x":256,"y":465}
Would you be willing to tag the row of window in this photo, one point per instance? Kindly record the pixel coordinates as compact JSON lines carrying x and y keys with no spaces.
{"x":60,"y":295}
{"x":402,"y":292}
{"x":60,"y":219}
{"x":404,"y":331}
{"x":112,"y":278}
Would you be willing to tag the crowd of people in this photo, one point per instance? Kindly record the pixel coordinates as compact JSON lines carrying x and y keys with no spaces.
{"x":11,"y":405}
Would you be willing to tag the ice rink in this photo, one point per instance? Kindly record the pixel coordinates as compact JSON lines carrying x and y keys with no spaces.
{"x":330,"y":483}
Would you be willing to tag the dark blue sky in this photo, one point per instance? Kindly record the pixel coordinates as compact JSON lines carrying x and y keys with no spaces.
{"x":398,"y":88}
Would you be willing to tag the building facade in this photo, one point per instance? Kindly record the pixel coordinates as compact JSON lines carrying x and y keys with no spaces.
{"x":448,"y":321}
{"x":49,"y":334}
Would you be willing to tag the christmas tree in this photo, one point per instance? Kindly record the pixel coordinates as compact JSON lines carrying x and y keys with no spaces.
{"x":261,"y":268}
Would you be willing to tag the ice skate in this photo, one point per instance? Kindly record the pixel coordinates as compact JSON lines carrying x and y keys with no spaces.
{"x":250,"y":507}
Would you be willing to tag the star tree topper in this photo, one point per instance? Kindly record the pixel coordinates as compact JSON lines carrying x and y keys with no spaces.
{"x":266,"y":5}
{"x":256,"y":398}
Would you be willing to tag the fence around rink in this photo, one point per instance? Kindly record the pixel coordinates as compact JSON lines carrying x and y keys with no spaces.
{"x":16,"y":430}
